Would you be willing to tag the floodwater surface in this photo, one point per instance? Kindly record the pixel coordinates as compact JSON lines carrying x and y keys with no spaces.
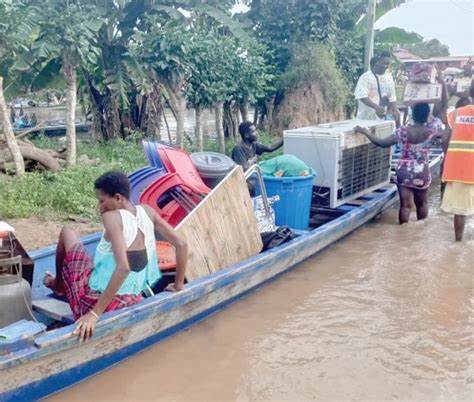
{"x":385,"y":314}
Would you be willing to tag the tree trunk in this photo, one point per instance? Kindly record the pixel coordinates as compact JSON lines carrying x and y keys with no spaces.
{"x":132,"y":118}
{"x":198,"y":128}
{"x":154,"y":113}
{"x":163,"y":112}
{"x":105,"y":111}
{"x":244,"y":110}
{"x":71,"y":100}
{"x":180,"y":120}
{"x":269,"y":106}
{"x":41,"y":156}
{"x":96,"y":102}
{"x":113,"y":123}
{"x":177,"y":102}
{"x":46,"y":157}
{"x":255,"y":116}
{"x":231,"y":120}
{"x":9,"y":135}
{"x":143,"y":113}
{"x":220,"y":126}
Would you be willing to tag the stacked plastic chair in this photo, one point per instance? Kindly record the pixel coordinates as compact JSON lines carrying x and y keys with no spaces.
{"x":172,"y":185}
{"x":141,"y":179}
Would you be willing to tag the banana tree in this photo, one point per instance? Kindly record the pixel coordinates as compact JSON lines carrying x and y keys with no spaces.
{"x":164,"y":47}
{"x":15,"y":32}
{"x":382,"y":8}
{"x":65,"y":40}
{"x":120,"y":81}
{"x":211,"y":77}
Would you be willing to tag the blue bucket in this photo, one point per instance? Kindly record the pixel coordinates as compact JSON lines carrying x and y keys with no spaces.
{"x":295,"y":193}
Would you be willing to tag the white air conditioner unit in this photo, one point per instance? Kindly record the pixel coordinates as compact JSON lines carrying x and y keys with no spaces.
{"x":347,"y":164}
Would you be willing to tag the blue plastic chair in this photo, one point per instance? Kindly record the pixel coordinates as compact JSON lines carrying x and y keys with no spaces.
{"x":151,"y":152}
{"x":141,"y":179}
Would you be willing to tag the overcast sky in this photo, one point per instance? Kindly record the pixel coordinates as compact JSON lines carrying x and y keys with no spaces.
{"x":450,"y":21}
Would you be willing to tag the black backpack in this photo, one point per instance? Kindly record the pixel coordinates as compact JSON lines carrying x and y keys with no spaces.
{"x":273,"y":239}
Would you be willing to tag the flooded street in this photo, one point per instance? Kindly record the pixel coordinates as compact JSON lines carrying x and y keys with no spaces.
{"x":385,"y":314}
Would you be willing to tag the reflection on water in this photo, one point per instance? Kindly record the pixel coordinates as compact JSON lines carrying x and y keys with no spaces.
{"x":385,"y":314}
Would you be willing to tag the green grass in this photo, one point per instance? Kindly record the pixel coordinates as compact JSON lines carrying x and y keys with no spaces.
{"x":70,"y":191}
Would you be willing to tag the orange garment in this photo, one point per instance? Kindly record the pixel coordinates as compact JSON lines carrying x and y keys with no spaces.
{"x":459,"y":161}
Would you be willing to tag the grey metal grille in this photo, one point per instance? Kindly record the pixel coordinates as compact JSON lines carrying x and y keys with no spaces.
{"x":362,"y":167}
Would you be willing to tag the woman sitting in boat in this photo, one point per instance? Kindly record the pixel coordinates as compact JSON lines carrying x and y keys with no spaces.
{"x":413,"y":170}
{"x":125,"y":262}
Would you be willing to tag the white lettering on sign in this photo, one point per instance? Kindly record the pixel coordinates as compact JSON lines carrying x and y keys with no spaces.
{"x":465,"y":119}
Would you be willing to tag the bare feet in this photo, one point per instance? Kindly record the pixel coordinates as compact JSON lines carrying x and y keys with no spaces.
{"x":52,"y":283}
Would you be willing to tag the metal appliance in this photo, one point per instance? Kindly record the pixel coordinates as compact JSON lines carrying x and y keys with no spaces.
{"x":15,"y":291}
{"x":347,"y":164}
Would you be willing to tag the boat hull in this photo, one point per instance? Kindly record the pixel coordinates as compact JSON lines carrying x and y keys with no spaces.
{"x":57,"y":360}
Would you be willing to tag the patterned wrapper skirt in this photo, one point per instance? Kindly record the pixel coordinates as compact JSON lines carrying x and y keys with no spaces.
{"x":77,"y":269}
{"x":458,"y":199}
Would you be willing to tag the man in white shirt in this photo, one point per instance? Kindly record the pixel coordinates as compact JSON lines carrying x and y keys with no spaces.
{"x":375,"y":91}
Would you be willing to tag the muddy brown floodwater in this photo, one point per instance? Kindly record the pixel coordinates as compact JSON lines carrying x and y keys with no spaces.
{"x":385,"y":314}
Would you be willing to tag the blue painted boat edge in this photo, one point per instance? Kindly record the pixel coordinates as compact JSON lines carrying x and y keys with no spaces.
{"x":221,"y":278}
{"x":71,"y":377}
{"x":256,"y":260}
{"x":50,"y":250}
{"x":93,"y":367}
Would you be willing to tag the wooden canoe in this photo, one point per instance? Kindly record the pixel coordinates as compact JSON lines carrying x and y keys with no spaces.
{"x":34,"y":366}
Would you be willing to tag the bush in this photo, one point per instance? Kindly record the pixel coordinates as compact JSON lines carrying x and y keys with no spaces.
{"x":313,"y":62}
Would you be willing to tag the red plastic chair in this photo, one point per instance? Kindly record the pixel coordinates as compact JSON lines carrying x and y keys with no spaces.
{"x":173,"y":212}
{"x":182,"y":184}
{"x":179,"y":161}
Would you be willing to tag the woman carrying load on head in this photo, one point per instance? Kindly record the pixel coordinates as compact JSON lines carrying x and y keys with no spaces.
{"x":125,"y":262}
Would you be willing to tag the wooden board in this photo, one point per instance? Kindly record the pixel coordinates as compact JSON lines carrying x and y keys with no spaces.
{"x":54,"y":308}
{"x":222,"y":230}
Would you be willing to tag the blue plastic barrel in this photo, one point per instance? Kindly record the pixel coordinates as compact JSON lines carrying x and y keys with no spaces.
{"x":295,"y":193}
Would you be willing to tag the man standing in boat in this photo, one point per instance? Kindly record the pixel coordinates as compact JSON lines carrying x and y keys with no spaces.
{"x":375,"y":92}
{"x":247,"y":151}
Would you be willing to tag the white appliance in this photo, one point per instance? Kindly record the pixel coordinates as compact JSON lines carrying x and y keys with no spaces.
{"x":347,"y":164}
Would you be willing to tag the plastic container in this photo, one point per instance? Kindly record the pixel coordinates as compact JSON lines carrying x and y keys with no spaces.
{"x":166,"y":256}
{"x":141,"y":179}
{"x":295,"y":193}
{"x":212,"y":166}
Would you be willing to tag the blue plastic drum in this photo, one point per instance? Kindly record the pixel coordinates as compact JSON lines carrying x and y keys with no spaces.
{"x":295,"y":193}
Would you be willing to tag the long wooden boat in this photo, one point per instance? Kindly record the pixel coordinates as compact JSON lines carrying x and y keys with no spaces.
{"x":34,"y":366}
{"x":53,"y":130}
